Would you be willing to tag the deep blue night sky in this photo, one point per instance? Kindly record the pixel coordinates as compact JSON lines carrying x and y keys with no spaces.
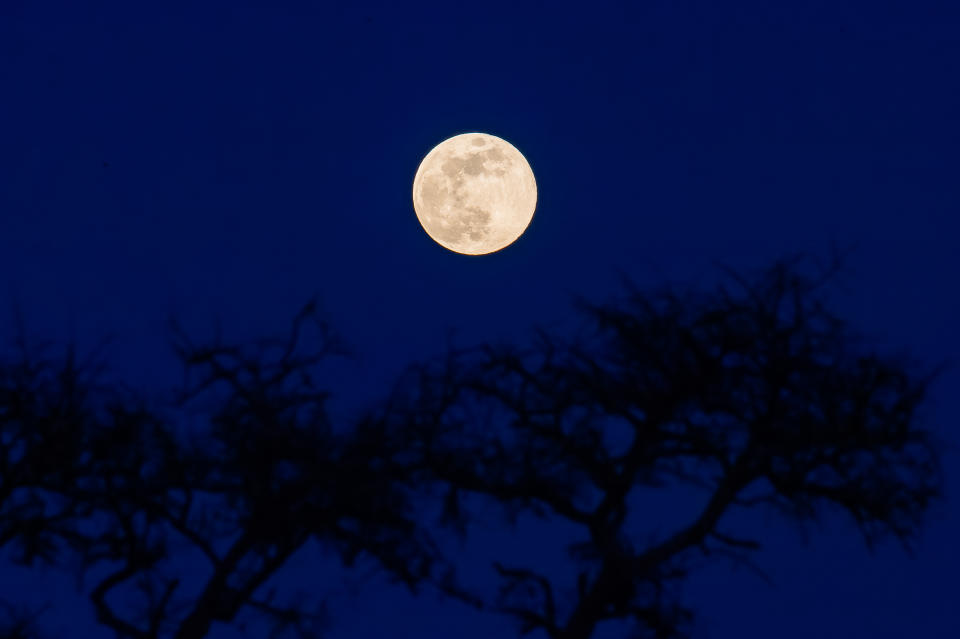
{"x":227,"y":162}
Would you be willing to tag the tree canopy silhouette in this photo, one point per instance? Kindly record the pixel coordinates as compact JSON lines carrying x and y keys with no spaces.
{"x":91,"y":477}
{"x":756,"y":392}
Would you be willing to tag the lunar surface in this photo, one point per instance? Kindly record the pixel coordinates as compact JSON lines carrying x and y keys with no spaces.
{"x":474,"y":193}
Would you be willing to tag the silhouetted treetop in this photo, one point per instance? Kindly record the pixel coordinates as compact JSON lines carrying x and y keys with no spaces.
{"x":181,"y":515}
{"x":189,"y":510}
{"x":756,"y":391}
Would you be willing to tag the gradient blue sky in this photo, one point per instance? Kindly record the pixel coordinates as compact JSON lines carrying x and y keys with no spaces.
{"x":259,"y":153}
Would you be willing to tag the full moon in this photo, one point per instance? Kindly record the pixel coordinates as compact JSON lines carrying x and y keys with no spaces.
{"x":474,"y":193}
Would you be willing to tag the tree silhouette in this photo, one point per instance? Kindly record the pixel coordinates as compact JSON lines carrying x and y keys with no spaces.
{"x":181,"y":515}
{"x":90,"y":472}
{"x":756,"y":392}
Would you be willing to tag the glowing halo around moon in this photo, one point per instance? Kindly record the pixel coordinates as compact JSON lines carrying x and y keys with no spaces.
{"x":474,"y":193}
